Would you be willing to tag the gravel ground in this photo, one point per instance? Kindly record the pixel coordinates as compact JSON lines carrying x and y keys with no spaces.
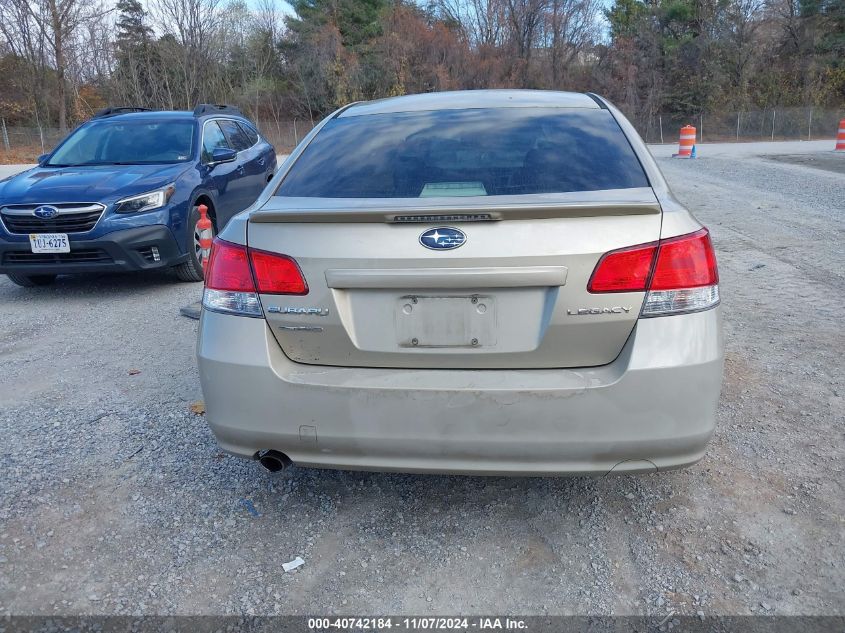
{"x":116,"y":500}
{"x":744,"y":150}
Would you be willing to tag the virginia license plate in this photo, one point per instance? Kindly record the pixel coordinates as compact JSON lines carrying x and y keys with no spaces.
{"x":49,"y":243}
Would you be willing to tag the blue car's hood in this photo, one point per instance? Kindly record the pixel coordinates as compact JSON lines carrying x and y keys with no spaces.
{"x":97,"y":183}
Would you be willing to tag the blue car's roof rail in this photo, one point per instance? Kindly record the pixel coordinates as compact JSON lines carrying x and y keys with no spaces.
{"x":112,"y":111}
{"x":217,"y":108}
{"x":202,"y":109}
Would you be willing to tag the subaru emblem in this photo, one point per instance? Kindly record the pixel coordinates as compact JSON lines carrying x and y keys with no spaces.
{"x":45,"y":212}
{"x":443,"y":238}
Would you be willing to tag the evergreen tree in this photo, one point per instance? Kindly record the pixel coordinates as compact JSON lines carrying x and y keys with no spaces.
{"x":135,"y":54}
{"x":132,"y":29}
{"x":358,"y":21}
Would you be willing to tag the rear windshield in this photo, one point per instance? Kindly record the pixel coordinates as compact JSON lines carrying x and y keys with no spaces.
{"x":478,"y":152}
{"x":127,"y":142}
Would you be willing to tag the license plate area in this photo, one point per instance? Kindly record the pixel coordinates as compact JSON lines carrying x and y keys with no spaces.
{"x":467,"y":321}
{"x":49,"y":243}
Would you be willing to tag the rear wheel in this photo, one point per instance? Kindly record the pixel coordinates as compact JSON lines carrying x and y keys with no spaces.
{"x":31,"y":281}
{"x":191,"y":270}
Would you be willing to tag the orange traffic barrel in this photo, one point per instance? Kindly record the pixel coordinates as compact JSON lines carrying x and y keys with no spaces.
{"x":686,"y":143}
{"x":205,"y":235}
{"x":840,"y":137}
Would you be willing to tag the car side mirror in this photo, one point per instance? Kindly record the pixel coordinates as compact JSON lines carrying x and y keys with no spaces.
{"x":42,"y":159}
{"x":223,"y":155}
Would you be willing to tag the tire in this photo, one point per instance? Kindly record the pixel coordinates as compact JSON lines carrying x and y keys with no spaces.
{"x":191,"y":270}
{"x":31,"y":281}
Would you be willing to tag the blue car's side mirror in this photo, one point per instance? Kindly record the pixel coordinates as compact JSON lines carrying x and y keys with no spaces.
{"x":42,"y":159}
{"x":223,"y":155}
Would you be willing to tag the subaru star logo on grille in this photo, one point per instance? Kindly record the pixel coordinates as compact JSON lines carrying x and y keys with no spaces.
{"x":45,"y":212}
{"x":442,"y":238}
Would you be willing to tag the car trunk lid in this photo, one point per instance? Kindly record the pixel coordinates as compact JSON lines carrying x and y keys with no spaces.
{"x":514,"y":295}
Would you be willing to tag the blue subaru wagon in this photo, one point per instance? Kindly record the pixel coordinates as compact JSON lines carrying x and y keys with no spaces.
{"x":122,"y":192}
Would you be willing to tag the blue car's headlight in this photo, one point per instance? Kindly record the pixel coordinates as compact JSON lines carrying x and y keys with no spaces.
{"x":145,"y":201}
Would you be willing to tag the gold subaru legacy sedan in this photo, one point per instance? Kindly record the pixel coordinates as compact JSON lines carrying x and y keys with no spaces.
{"x":482,"y":282}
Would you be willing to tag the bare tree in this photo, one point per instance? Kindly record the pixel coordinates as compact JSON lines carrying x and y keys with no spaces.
{"x":22,"y":35}
{"x":483,"y":21}
{"x":571,"y":31}
{"x":57,"y":22}
{"x":194,"y":25}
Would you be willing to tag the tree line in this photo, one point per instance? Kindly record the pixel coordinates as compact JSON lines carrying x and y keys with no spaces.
{"x":60,"y":60}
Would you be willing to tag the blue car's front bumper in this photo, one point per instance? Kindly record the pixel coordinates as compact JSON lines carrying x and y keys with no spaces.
{"x":138,"y":248}
{"x":115,"y":243}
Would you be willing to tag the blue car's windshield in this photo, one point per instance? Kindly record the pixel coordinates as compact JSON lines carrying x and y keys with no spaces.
{"x":127,"y":142}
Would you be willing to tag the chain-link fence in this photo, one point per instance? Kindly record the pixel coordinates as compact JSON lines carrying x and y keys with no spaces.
{"x":778,"y":124}
{"x":40,"y":139}
{"x":23,"y":144}
{"x":285,"y":135}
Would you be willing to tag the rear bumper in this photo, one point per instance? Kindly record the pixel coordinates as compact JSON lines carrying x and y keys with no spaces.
{"x":653,"y":408}
{"x":125,"y":250}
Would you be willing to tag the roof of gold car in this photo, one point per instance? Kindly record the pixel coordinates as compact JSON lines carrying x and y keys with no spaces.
{"x":464,"y":99}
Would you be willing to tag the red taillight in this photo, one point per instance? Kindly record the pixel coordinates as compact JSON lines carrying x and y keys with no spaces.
{"x":625,"y":270}
{"x":277,"y":274}
{"x":236,"y":268}
{"x":228,"y":268}
{"x":686,"y":261}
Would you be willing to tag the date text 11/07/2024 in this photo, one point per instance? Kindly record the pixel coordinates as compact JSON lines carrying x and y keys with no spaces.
{"x":417,"y":623}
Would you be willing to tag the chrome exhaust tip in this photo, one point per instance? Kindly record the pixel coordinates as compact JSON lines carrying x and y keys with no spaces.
{"x":273,"y":461}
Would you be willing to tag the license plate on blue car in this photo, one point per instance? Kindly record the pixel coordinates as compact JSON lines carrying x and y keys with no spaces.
{"x":49,"y":243}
